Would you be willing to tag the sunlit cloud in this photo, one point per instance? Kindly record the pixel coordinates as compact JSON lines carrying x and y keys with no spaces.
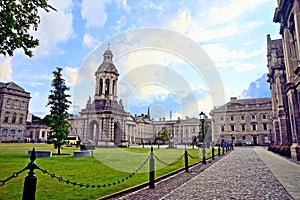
{"x":55,"y":27}
{"x":5,"y":68}
{"x":93,"y":12}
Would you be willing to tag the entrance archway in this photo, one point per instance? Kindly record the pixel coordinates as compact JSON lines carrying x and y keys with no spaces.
{"x":93,"y":130}
{"x":117,"y":134}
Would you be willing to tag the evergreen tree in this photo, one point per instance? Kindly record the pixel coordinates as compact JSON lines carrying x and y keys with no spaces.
{"x":16,"y":20}
{"x":59,"y":104}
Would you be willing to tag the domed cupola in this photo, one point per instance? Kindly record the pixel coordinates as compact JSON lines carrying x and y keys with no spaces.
{"x":107,"y":65}
{"x":106,"y":78}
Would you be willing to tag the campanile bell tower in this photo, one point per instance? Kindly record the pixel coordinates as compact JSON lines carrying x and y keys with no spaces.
{"x":106,"y":79}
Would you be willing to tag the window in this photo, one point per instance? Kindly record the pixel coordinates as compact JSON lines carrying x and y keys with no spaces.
{"x":6,"y":117}
{"x":265,"y":127}
{"x":21,"y":119}
{"x":222,"y":127}
{"x":294,"y":41}
{"x":23,"y":105}
{"x":8,"y":103}
{"x":253,"y":117}
{"x":264,"y":116}
{"x":242,"y":117}
{"x":254,"y":127}
{"x":14,"y":118}
{"x":222,"y":118}
{"x":106,"y":87}
{"x":243,"y":127}
{"x":232,"y":127}
{"x":231,"y":118}
{"x":16,"y":104}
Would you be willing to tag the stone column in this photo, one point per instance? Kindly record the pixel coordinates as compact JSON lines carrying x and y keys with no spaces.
{"x":286,"y":50}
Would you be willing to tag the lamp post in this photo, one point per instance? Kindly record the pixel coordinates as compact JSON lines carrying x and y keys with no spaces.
{"x":231,"y":146}
{"x":202,"y":119}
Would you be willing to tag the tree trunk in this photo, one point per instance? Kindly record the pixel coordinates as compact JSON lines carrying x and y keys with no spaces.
{"x":58,"y":149}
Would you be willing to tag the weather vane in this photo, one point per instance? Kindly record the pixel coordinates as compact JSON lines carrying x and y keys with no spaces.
{"x":108,"y":46}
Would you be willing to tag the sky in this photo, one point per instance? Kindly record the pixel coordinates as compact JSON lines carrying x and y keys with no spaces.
{"x":176,"y":57}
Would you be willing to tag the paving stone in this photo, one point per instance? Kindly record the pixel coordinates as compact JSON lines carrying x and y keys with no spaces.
{"x":239,"y":175}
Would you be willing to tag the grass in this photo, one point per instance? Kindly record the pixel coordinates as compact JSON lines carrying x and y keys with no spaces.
{"x":108,"y":165}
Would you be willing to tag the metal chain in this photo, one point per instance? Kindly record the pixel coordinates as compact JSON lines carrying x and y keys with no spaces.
{"x":194,"y":157}
{"x":14,"y":175}
{"x":74,"y":183}
{"x":177,"y":161}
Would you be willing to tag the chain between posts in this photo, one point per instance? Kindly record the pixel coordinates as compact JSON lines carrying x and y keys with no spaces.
{"x":194,"y":157}
{"x":174,"y":163}
{"x":74,"y":183}
{"x":14,"y":175}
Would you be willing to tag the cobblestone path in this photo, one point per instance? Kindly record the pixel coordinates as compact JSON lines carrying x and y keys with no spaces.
{"x":239,"y":175}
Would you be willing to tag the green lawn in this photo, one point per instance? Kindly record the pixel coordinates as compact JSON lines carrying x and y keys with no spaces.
{"x":108,"y":165}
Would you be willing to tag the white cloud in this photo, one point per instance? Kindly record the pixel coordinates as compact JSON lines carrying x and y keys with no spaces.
{"x":94,"y":12}
{"x":120,"y":23}
{"x":245,"y":67}
{"x":71,"y":75}
{"x":220,"y":20}
{"x":89,"y":41}
{"x":183,"y":21}
{"x":124,"y":5}
{"x":224,"y":57}
{"x":232,"y":11}
{"x":5,"y":69}
{"x":55,"y":27}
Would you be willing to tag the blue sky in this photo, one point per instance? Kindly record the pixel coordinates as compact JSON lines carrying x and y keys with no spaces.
{"x":227,"y":37}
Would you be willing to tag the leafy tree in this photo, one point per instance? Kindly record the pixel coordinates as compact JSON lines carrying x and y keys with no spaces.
{"x":37,"y":119}
{"x":59,"y":104}
{"x":17,"y":17}
{"x":163,"y":135}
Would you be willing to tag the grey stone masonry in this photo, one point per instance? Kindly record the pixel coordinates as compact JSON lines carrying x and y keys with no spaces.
{"x":240,"y":175}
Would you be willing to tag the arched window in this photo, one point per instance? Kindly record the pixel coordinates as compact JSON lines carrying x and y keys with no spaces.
{"x":14,"y":118}
{"x":101,"y":86}
{"x":6,"y":117}
{"x":113,"y":89}
{"x":21,"y":119}
{"x":106,"y":87}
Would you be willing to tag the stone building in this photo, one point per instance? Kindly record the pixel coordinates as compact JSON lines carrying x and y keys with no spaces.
{"x":103,"y":119}
{"x":281,"y":131}
{"x":242,"y":119}
{"x":181,"y":131}
{"x":14,"y":101}
{"x":36,"y":132}
{"x":106,"y":123}
{"x":288,"y":15}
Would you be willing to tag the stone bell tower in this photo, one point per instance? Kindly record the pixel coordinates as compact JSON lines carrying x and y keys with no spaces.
{"x":106,"y":79}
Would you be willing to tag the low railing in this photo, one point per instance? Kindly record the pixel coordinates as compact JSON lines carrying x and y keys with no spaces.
{"x":31,"y":180}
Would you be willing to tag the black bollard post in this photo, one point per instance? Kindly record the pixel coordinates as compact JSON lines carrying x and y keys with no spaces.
{"x":151,"y":170}
{"x":186,"y":161}
{"x":213,"y":152}
{"x":219,"y":151}
{"x":30,"y":180}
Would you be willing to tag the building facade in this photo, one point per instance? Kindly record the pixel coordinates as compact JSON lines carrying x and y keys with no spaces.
{"x":105,"y":122}
{"x":36,"y":132}
{"x":288,"y":15}
{"x":14,"y":102}
{"x":242,"y":119}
